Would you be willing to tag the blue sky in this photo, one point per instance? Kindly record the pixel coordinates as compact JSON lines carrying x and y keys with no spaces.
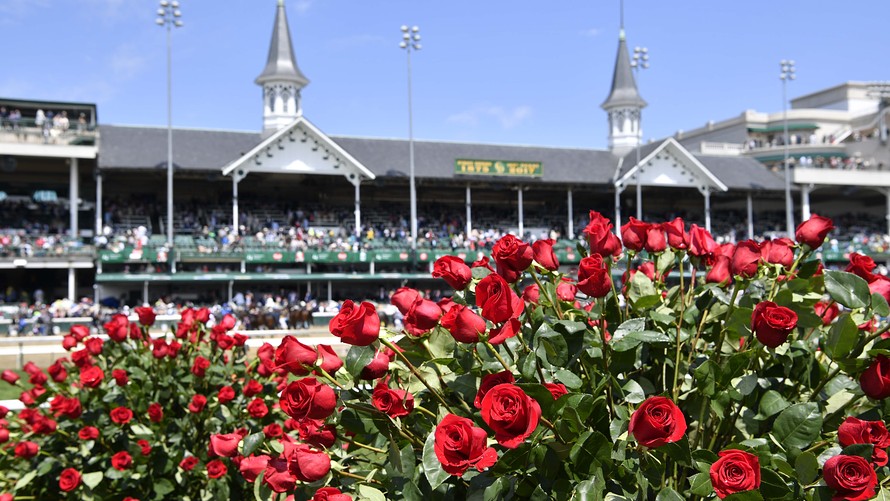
{"x":495,"y":71}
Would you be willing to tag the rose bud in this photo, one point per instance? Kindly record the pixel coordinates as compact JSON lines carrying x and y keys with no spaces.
{"x":656,"y":422}
{"x":634,"y":234}
{"x":701,"y":243}
{"x":875,"y":380}
{"x":91,"y":377}
{"x":735,"y":471}
{"x":146,"y":315}
{"x":463,"y":324}
{"x":121,"y":415}
{"x":746,"y":259}
{"x":512,"y":256}
{"x":257,"y":408}
{"x":393,"y":403}
{"x":188,"y":463}
{"x":593,"y":277}
{"x":9,"y":376}
{"x":856,"y":431}
{"x":600,"y":237}
{"x":459,"y":445}
{"x":328,"y":359}
{"x":118,"y":327}
{"x":330,"y":494}
{"x":498,"y":301}
{"x":719,"y":273}
{"x":69,"y":342}
{"x":225,"y":445}
{"x":252,"y":466}
{"x":422,"y":317}
{"x":79,"y":331}
{"x":556,"y":389}
{"x":216,"y":469}
{"x":26,"y":449}
{"x":813,"y":231}
{"x":69,"y":479}
{"x":357,"y":325}
{"x":544,"y":254}
{"x":376,"y":368}
{"x":851,"y":478}
{"x":778,"y":251}
{"x":453,"y":270}
{"x":155,"y":412}
{"x":676,"y":233}
{"x":252,"y":388}
{"x":531,"y":294}
{"x":489,"y":381}
{"x":403,"y":298}
{"x":880,"y":285}
{"x":197,"y":404}
{"x":655,"y":241}
{"x":772,"y":323}
{"x":566,"y":289}
{"x":308,"y":398}
{"x":826,"y":311}
{"x":294,"y":356}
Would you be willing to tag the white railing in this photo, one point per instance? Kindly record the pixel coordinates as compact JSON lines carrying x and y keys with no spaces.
{"x":726,"y":149}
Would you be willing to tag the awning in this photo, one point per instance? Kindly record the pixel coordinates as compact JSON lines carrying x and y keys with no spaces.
{"x":781,"y":128}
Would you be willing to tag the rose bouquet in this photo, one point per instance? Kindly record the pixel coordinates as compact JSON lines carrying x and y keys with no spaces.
{"x":664,"y":367}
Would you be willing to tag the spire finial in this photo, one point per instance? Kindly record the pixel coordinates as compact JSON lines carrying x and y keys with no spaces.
{"x":281,"y":3}
{"x":622,"y":16}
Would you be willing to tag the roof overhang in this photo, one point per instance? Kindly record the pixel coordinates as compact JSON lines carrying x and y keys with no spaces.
{"x":48,"y":150}
{"x":299,"y":148}
{"x":671,"y":165}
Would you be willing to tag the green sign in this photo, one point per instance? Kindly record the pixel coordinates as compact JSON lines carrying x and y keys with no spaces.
{"x":498,"y":168}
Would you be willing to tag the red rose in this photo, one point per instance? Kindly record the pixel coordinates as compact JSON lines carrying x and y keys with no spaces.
{"x":464,"y":324}
{"x":200,"y":366}
{"x":772,"y":323}
{"x":253,"y":387}
{"x":225,"y":445}
{"x":305,"y":463}
{"x":566,"y":289}
{"x":257,"y":408}
{"x":216,"y":469}
{"x":556,"y":389}
{"x":81,"y":358}
{"x":197,"y":404}
{"x":593,"y":277}
{"x":482,"y":262}
{"x":146,"y":315}
{"x":735,"y":471}
{"x":26,"y":450}
{"x":531,"y":294}
{"x":329,"y":361}
{"x":701,"y":243}
{"x":507,"y":330}
{"x":120,"y":377}
{"x":57,"y":370}
{"x":135,"y":332}
{"x":188,"y":463}
{"x":851,"y":477}
{"x":634,"y":234}
{"x":403,"y":298}
{"x":377,"y":367}
{"x":94,"y":345}
{"x":294,"y":356}
{"x":118,"y":327}
{"x":252,"y":466}
{"x":826,"y":311}
{"x":69,"y":342}
{"x":91,"y":377}
{"x":155,"y":412}
{"x":69,"y":407}
{"x":144,"y":447}
{"x":600,"y":237}
{"x":4,"y":435}
{"x":498,"y":301}
{"x":676,"y":233}
{"x":719,"y":273}
{"x":88,"y":433}
{"x":861,"y":265}
{"x":423,"y":315}
{"x":393,"y":403}
{"x":880,"y":285}
{"x":277,"y":476}
{"x":121,"y":415}
{"x":9,"y":376}
{"x":308,"y":398}
{"x":511,"y":413}
{"x":159,"y":348}
{"x":273,"y":430}
{"x":226,"y":394}
{"x":656,"y":422}
{"x":489,"y":381}
{"x":655,"y":241}
{"x":79,"y":331}
{"x":544,"y":254}
{"x":330,"y":494}
{"x":228,"y":322}
{"x":69,"y":479}
{"x":778,"y":251}
{"x":875,"y":380}
{"x":316,"y":435}
{"x":746,"y":259}
{"x":813,"y":231}
{"x":357,"y":325}
{"x":512,"y":256}
{"x":856,"y":431}
{"x":453,"y":270}
{"x":460,"y":445}
{"x":202,"y":315}
{"x":121,"y":461}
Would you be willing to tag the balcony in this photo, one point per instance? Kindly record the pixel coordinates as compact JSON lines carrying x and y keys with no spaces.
{"x":48,"y":129}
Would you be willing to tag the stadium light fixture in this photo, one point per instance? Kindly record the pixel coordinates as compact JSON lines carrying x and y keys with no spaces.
{"x":410,"y":42}
{"x":169,"y":16}
{"x":787,"y":74}
{"x":640,"y":62}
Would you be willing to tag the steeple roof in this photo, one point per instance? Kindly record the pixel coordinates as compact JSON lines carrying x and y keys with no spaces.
{"x":281,"y":64}
{"x":624,"y":86}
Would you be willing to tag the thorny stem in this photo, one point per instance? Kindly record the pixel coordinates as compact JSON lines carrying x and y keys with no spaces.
{"x":554,"y":301}
{"x":414,"y":371}
{"x":357,"y":477}
{"x":497,"y":355}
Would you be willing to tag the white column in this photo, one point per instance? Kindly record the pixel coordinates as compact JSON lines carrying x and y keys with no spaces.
{"x":72,"y":284}
{"x":98,"y":203}
{"x":145,"y":292}
{"x":358,"y":211}
{"x":707,"y":194}
{"x":617,"y":222}
{"x":330,"y":295}
{"x":73,"y":197}
{"x":571,"y":214}
{"x":235,"y":218}
{"x":231,"y":290}
{"x":750,"y":216}
{"x":805,"y":202}
{"x":639,"y":193}
{"x":469,"y":214}
{"x":519,"y":205}
{"x":888,"y":212}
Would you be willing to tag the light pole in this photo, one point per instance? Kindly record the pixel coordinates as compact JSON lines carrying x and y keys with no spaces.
{"x":640,"y":62}
{"x":411,"y":41}
{"x":169,"y":16}
{"x":786,"y":75}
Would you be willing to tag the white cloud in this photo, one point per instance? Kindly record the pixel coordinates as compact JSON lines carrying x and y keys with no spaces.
{"x":592,"y":32}
{"x":508,"y":118}
{"x":302,"y":6}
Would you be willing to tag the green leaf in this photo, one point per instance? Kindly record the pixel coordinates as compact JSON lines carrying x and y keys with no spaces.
{"x":771,"y":485}
{"x":864,"y":451}
{"x":628,"y":326}
{"x":883,"y":495}
{"x":668,"y":494}
{"x":847,"y":289}
{"x":701,"y":484}
{"x":358,"y":358}
{"x":744,"y":496}
{"x":706,"y":376}
{"x":807,"y":467}
{"x":92,"y":479}
{"x":25,"y":480}
{"x":370,"y":493}
{"x":497,"y":490}
{"x":634,"y":339}
{"x":432,"y":468}
{"x":569,"y":378}
{"x":633,"y":392}
{"x":879,"y":305}
{"x":678,"y":451}
{"x":441,"y":343}
{"x":799,"y":425}
{"x":552,"y":347}
{"x":261,"y":491}
{"x":842,"y":337}
{"x":251,"y":442}
{"x":771,"y":403}
{"x":162,"y":487}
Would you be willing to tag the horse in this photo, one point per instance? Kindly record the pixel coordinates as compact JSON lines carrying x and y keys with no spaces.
{"x":300,"y":316}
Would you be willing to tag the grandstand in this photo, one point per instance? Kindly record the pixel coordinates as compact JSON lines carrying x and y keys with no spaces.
{"x":291,"y":208}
